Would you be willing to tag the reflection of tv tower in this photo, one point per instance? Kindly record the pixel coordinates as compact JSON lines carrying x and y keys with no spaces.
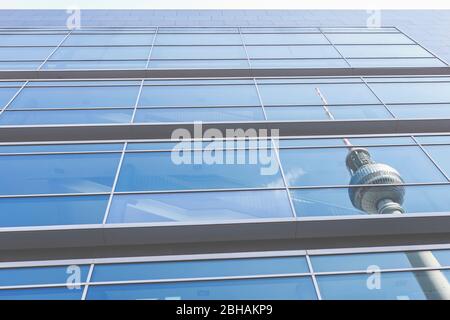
{"x":387,"y":198}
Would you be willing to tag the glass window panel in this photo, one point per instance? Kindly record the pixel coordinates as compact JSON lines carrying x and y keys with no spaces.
{"x":305,"y":166}
{"x":69,"y":173}
{"x":421,"y":111}
{"x":360,"y":112}
{"x":298,"y":288}
{"x":192,"y":96}
{"x":199,"y":206}
{"x":48,"y":211}
{"x":440,"y":154}
{"x":195,"y":30}
{"x":198,"y":39}
{"x":381,"y":141}
{"x":31,"y":39}
{"x":199,"y":52}
{"x":395,"y":286}
{"x":100,"y":53}
{"x":20,"y":65}
{"x":380,"y":51}
{"x":279,"y":30}
{"x":66,"y":117}
{"x":296,"y":113}
{"x":266,"y":52}
{"x":433,"y":139}
{"x":374,"y":38}
{"x":360,"y":261}
{"x":41,"y":275}
{"x":299,"y":63}
{"x":60,"y":293}
{"x":108,"y":39}
{"x":199,"y":269}
{"x":336,"y":201}
{"x":138,"y":171}
{"x":99,"y":64}
{"x":425,"y":92}
{"x":61,"y":147}
{"x":443,"y":256}
{"x":304,"y":94}
{"x":25,"y":53}
{"x":198,"y":114}
{"x":286,"y":38}
{"x":197,"y":64}
{"x":309,"y":142}
{"x":397,"y":62}
{"x":75,"y":97}
{"x":361,"y":30}
{"x":6,"y":94}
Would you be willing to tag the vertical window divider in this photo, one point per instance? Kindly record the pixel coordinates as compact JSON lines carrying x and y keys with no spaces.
{"x":379,"y":99}
{"x":113,"y":188}
{"x":88,"y":280}
{"x":313,"y":276}
{"x":54,"y":50}
{"x":431,"y":158}
{"x":245,"y":48}
{"x":275,"y":150}
{"x":334,"y":47}
{"x":151,"y":48}
{"x":13,"y":97}
{"x":137,"y":101}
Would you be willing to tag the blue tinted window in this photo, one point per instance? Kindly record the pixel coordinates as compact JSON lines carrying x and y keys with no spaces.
{"x":433,"y":139}
{"x":421,"y":111}
{"x":199,"y":206}
{"x":440,"y":154}
{"x":19,"y":65}
{"x":299,"y":288}
{"x":363,"y":261}
{"x":443,"y":256}
{"x":280,"y":51}
{"x":296,"y":113}
{"x":374,"y":38}
{"x":395,"y":286}
{"x":75,"y":97}
{"x":377,"y":51}
{"x":46,"y":211}
{"x":309,"y":142}
{"x":31,"y":39}
{"x":61,"y":147}
{"x":100,"y":53}
{"x":198,"y":39}
{"x":108,"y":39}
{"x":25,"y":53}
{"x":197,"y":64}
{"x":298,"y":63}
{"x":191,"y":96}
{"x":60,"y":293}
{"x":42,"y":275}
{"x":397,"y":62}
{"x":327,"y":166}
{"x":95,"y":64}
{"x":199,"y":52}
{"x":360,"y":112}
{"x":425,"y":92}
{"x":304,"y":94}
{"x":198,"y":114}
{"x":6,"y":94}
{"x":381,"y":141}
{"x":336,"y":201}
{"x":66,"y":117}
{"x":199,"y":269}
{"x":286,"y":38}
{"x":138,"y":172}
{"x":69,"y":173}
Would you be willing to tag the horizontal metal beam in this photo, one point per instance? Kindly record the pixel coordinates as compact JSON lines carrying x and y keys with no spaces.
{"x":165,"y":130}
{"x":220,"y":73}
{"x":314,"y":232}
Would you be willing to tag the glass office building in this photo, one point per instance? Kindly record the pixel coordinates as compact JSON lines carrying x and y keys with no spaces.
{"x":92,"y":205}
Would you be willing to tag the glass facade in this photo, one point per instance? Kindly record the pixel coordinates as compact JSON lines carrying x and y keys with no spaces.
{"x":96,"y":191}
{"x":287,"y":275}
{"x":210,"y":48}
